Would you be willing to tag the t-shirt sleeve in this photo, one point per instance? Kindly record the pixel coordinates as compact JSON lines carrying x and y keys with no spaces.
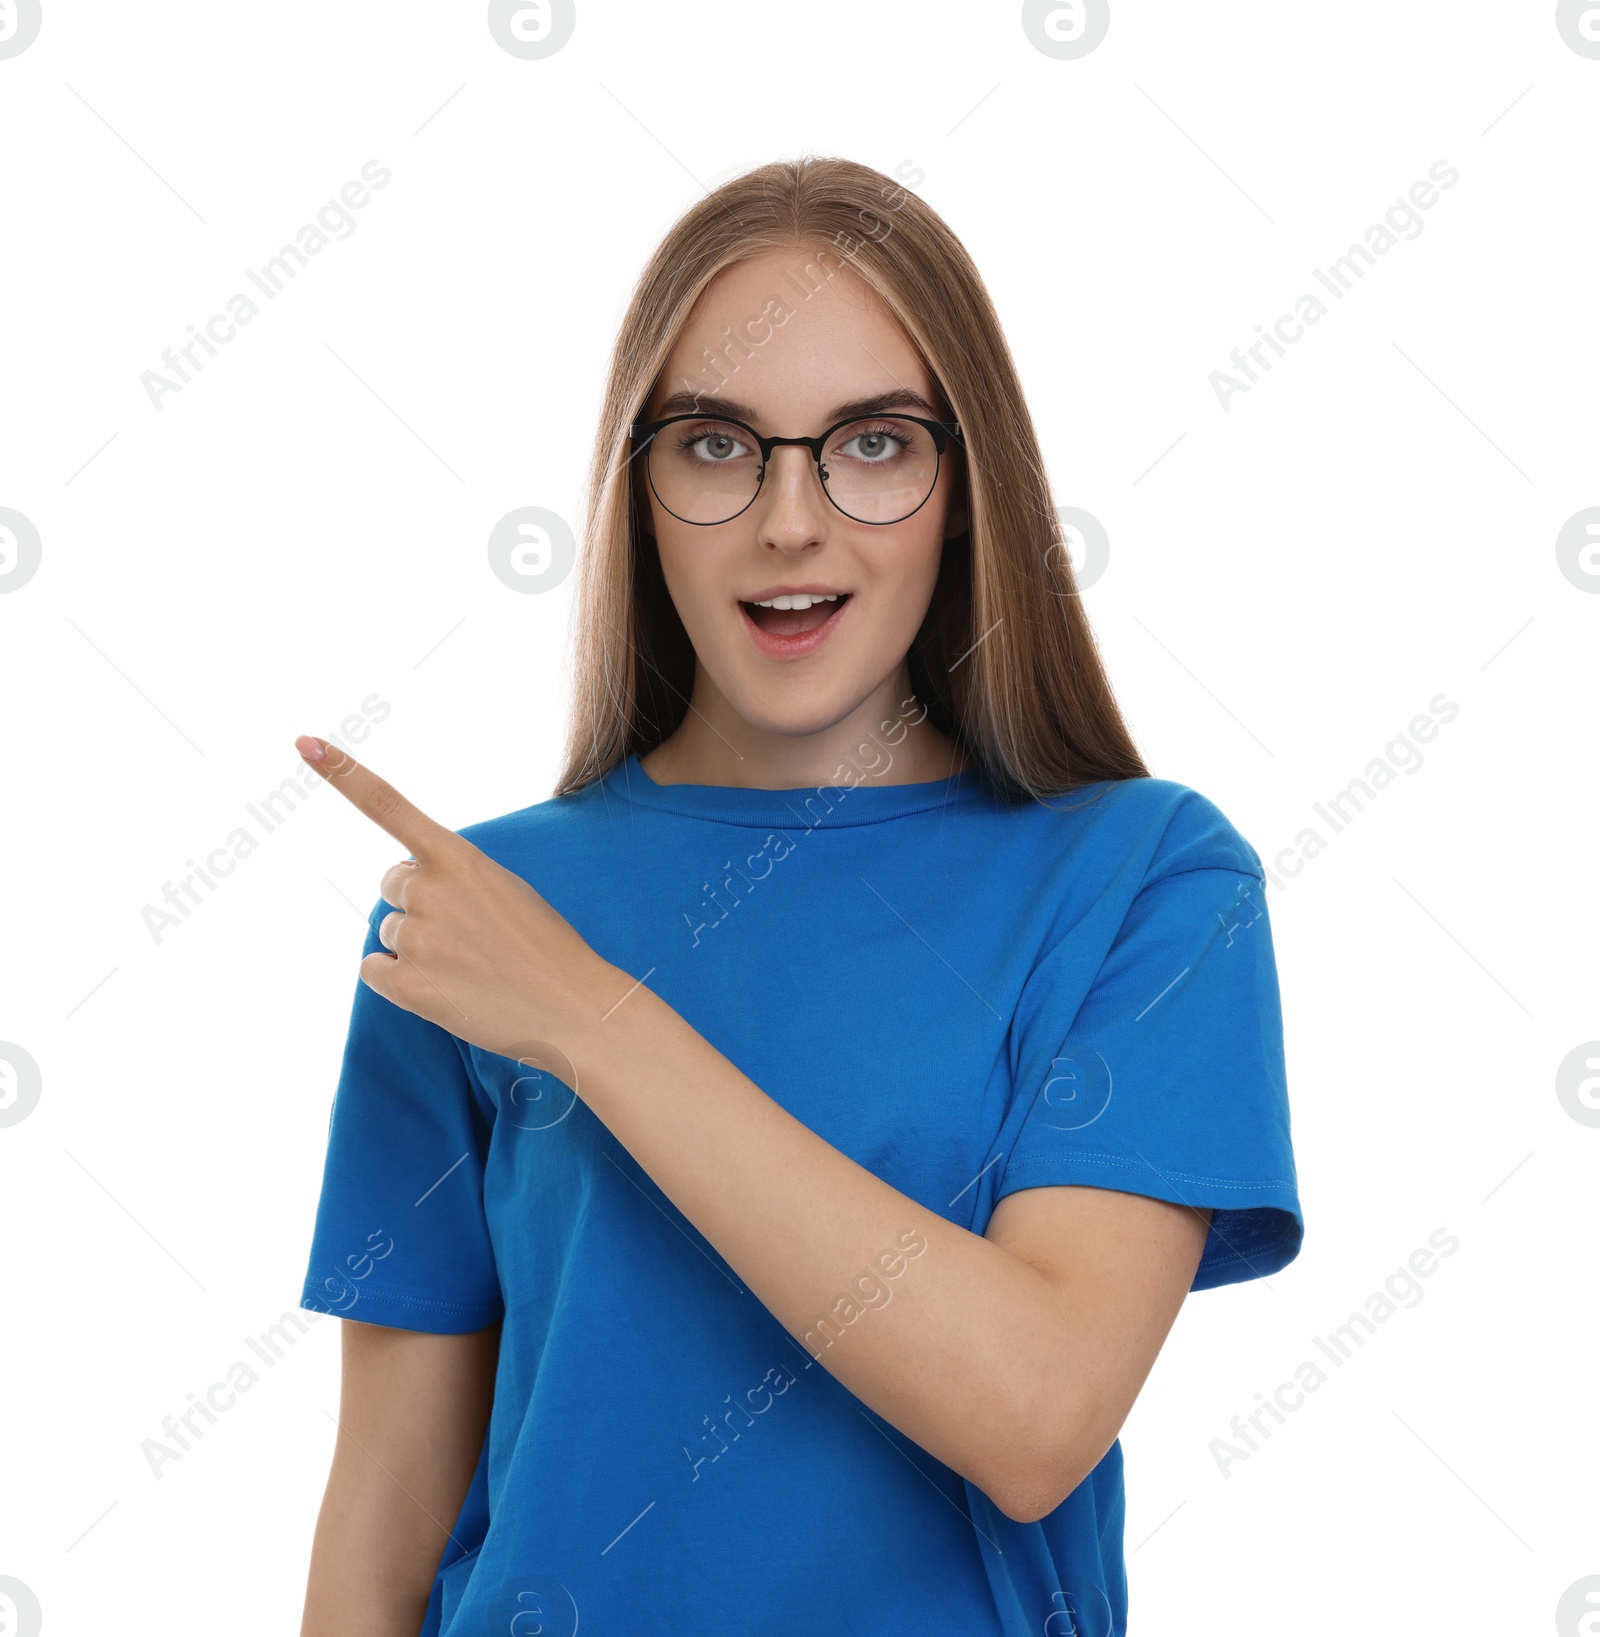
{"x":401,"y":1237}
{"x":1168,"y":1079}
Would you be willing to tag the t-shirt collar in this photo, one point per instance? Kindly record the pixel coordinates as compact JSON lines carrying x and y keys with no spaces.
{"x":867,"y":801}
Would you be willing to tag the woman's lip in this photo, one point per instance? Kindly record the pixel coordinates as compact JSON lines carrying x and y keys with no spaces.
{"x":795,"y":647}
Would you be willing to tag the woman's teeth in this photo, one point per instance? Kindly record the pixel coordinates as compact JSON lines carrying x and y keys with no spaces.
{"x":802,"y":599}
{"x":791,"y":616}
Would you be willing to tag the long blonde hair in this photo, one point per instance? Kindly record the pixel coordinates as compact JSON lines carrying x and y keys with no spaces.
{"x":1005,"y":660}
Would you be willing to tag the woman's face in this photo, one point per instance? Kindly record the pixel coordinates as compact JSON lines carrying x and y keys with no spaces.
{"x":808,"y":360}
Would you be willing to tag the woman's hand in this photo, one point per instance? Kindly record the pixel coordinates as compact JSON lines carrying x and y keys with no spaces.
{"x":475,"y":949}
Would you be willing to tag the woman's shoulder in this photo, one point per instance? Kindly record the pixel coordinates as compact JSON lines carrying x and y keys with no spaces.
{"x":547,"y":823}
{"x":1179,"y":827}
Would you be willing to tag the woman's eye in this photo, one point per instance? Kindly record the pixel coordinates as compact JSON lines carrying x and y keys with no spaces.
{"x":715,"y":447}
{"x":872,"y":447}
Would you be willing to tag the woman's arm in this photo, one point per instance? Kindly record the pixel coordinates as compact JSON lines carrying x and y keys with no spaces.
{"x":412,"y":1412}
{"x":1014,"y":1358}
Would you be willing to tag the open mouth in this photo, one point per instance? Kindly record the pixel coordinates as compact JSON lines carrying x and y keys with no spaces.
{"x":794,"y":622}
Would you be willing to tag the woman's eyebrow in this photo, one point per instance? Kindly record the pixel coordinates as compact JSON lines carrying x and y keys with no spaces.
{"x":900,"y":398}
{"x":706,"y":403}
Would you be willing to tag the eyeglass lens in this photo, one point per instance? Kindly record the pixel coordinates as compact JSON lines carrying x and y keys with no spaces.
{"x":876,"y":470}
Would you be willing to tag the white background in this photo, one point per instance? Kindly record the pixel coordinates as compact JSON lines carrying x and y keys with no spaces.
{"x":1291,"y":580}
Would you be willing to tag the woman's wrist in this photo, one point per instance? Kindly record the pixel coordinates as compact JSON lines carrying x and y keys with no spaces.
{"x":595,"y":1033}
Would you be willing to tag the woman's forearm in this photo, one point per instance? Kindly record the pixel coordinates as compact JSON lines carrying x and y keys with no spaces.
{"x":969,"y":1340}
{"x":372,"y":1559}
{"x":413,"y":1407}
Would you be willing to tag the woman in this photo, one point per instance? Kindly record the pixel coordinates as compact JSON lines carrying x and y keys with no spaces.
{"x":794,"y":1140}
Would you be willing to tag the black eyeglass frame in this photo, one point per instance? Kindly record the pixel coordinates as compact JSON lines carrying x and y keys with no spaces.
{"x":942,"y":432}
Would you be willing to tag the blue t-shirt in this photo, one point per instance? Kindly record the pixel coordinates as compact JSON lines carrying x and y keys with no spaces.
{"x":965,"y":996}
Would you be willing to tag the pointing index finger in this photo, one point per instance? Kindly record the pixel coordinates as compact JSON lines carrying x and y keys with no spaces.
{"x":375,"y":797}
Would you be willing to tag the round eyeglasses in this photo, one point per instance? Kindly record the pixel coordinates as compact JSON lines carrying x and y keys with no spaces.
{"x":879,"y":469}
